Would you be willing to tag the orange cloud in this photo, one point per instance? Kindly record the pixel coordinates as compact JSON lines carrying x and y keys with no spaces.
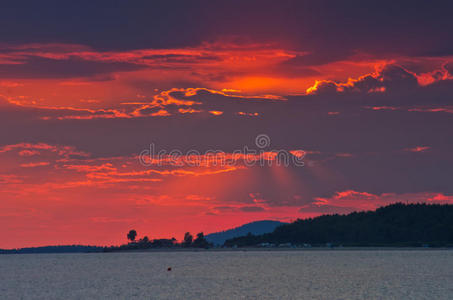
{"x":235,"y":70}
{"x":216,"y":112}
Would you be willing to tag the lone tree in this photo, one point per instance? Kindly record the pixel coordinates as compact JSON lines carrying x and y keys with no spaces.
{"x":132,"y":235}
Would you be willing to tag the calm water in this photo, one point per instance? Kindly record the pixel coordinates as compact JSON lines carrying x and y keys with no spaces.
{"x":230,"y":275}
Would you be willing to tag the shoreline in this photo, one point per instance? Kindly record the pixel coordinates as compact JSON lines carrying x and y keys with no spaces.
{"x":250,"y":249}
{"x":284,"y":249}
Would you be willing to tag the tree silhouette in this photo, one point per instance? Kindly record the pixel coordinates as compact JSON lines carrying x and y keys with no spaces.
{"x":200,"y":241}
{"x":187,"y":239}
{"x":393,"y":225}
{"x":144,"y":243}
{"x":132,"y":235}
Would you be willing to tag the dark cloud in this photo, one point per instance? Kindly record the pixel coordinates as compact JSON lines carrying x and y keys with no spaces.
{"x":330,"y":30}
{"x":39,"y":67}
{"x":391,"y":79}
{"x":179,"y":58}
{"x":314,"y":59}
{"x":251,"y":208}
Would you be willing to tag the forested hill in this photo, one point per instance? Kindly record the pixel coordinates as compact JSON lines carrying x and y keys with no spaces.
{"x":393,"y":225}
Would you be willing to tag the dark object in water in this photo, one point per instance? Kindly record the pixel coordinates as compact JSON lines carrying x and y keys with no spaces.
{"x":169,"y":269}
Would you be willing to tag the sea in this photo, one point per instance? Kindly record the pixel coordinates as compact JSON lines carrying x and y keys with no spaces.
{"x":304,"y":274}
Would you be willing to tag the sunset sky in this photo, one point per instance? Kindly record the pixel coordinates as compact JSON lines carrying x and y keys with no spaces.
{"x":364,"y":88}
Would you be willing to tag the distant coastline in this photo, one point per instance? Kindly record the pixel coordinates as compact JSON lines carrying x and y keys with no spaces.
{"x":245,"y":249}
{"x":396,"y":226}
{"x":289,"y":249}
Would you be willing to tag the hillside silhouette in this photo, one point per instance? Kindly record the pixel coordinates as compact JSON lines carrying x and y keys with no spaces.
{"x":257,"y":227}
{"x":393,"y":225}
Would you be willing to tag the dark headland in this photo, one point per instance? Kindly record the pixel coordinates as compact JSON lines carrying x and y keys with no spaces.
{"x":396,"y":225}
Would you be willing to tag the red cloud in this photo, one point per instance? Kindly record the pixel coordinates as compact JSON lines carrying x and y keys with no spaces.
{"x":418,"y":149}
{"x":35,"y":164}
{"x":354,"y":200}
